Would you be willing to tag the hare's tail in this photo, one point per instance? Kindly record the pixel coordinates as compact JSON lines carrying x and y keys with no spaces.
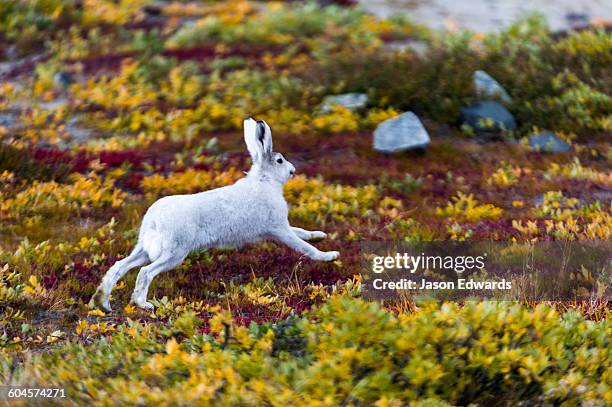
{"x":151,"y":241}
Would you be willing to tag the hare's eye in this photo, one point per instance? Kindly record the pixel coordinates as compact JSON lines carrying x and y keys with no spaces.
{"x":280,"y":160}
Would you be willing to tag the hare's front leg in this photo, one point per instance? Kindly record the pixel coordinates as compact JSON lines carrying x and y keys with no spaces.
{"x":308,"y":235}
{"x":290,"y":238}
{"x":164,"y":263}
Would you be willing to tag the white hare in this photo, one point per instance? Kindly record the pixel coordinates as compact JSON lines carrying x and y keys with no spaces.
{"x":250,"y":210}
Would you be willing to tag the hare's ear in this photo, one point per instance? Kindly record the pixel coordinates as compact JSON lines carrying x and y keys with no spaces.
{"x":264,"y":135}
{"x":251,"y":138}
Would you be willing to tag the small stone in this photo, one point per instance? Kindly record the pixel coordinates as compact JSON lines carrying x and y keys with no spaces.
{"x":538,"y":200}
{"x":62,"y":79}
{"x":488,"y":117}
{"x":351,"y":101}
{"x":7,"y":120}
{"x":59,"y":103}
{"x":488,"y":87}
{"x":78,"y":133}
{"x":577,"y":19}
{"x":213,"y":144}
{"x":5,"y":68}
{"x":419,"y":47}
{"x":401,"y":133}
{"x":548,"y":142}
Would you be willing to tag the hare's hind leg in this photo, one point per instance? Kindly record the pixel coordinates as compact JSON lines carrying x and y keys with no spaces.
{"x":307,"y":234}
{"x":138,"y":257}
{"x":164,"y":263}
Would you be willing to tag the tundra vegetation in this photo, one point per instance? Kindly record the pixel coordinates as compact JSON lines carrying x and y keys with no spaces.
{"x":106,"y":106}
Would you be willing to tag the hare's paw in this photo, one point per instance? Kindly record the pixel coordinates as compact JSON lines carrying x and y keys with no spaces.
{"x":144,"y":304}
{"x":317,"y":235}
{"x":100,"y":299}
{"x":106,"y":304}
{"x":329,"y":256}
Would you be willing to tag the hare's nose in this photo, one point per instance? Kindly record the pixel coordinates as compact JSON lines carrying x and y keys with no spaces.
{"x":292,"y":172}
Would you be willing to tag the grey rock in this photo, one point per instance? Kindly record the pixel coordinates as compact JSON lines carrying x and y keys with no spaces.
{"x":488,"y":116}
{"x":488,"y":87}
{"x":78,"y":133}
{"x":548,"y":142}
{"x":351,"y":101}
{"x":213,"y":144}
{"x":62,"y":79}
{"x":5,"y":68}
{"x":58,"y":103}
{"x":401,"y":133}
{"x":577,"y":19}
{"x":538,"y":200}
{"x":8,"y":120}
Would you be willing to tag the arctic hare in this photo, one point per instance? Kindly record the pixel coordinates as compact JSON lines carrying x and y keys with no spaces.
{"x":252,"y":209}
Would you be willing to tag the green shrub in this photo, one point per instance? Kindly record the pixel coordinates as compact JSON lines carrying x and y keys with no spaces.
{"x":346,"y":352}
{"x":29,"y":22}
{"x":11,"y":297}
{"x":274,"y":26}
{"x":556,"y":83}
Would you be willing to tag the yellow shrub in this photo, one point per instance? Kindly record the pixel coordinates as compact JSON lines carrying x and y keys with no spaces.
{"x":339,"y":120}
{"x":313,"y":198}
{"x":188,"y":182}
{"x":85,"y":192}
{"x":466,"y":208}
{"x":507,"y":175}
{"x":576,"y":170}
{"x":376,"y":116}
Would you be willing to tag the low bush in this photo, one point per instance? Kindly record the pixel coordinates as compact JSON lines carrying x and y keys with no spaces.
{"x":345,"y":352}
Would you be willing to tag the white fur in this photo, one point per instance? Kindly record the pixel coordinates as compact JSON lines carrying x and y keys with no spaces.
{"x":250,"y":210}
